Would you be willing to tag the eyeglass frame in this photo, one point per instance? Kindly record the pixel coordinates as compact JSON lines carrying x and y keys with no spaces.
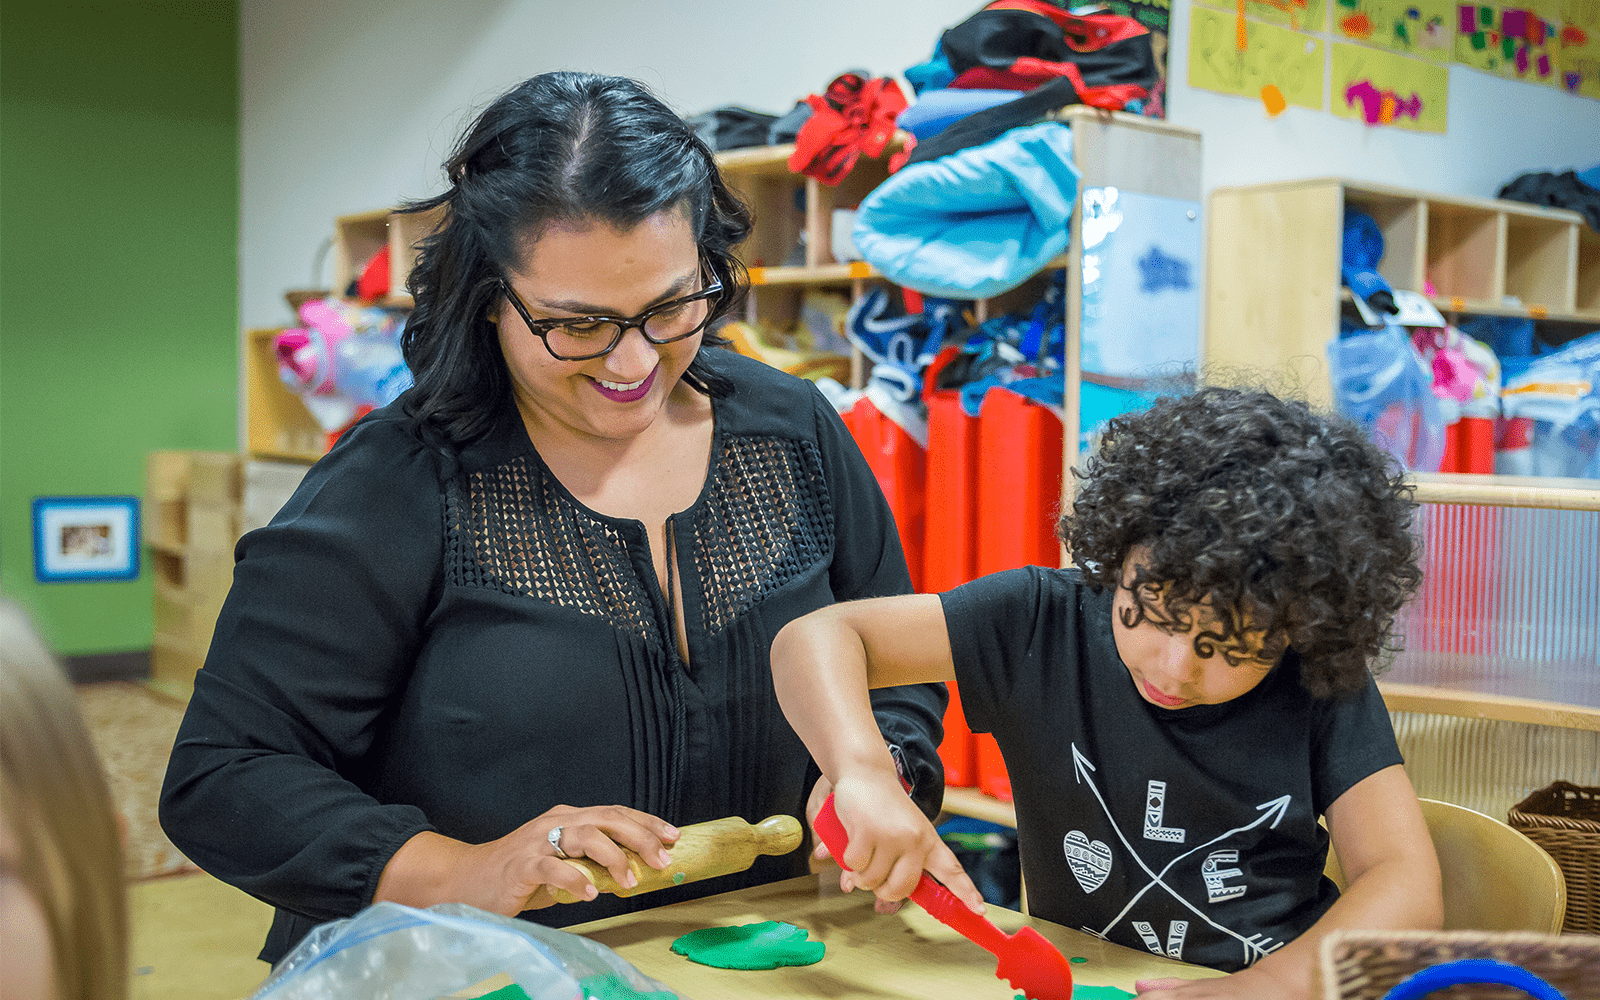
{"x":541,"y":327}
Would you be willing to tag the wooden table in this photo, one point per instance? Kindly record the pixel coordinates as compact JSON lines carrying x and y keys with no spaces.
{"x":908,"y":954}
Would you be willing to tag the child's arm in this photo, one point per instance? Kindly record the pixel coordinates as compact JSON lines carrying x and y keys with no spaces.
{"x":823,"y":665}
{"x":1392,"y":878}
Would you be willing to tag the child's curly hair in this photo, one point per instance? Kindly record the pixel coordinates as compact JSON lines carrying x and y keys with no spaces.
{"x":1274,"y":516}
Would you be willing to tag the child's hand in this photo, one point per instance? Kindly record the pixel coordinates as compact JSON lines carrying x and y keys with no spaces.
{"x":891,"y":843}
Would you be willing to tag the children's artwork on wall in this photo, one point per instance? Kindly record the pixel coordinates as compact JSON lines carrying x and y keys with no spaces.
{"x":1289,"y":61}
{"x":1421,"y":28}
{"x":1298,"y":15}
{"x":85,"y":538}
{"x":1387,"y":89}
{"x":1578,"y":47}
{"x":1518,"y":42}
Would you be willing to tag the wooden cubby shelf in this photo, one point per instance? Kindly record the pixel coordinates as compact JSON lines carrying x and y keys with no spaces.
{"x":1274,"y":293}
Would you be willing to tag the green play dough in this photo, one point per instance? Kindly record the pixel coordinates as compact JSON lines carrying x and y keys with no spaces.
{"x":766,"y":945}
{"x":1078,"y":959}
{"x":608,"y":987}
{"x":1099,"y":993}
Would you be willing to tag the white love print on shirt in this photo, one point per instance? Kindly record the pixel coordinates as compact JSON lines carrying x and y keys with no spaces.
{"x":1090,"y":860}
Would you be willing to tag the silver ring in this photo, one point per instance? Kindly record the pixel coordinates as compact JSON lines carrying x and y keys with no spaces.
{"x":555,"y":841}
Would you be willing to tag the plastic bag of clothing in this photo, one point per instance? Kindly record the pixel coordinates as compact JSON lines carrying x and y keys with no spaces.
{"x":392,"y":951}
{"x":1382,"y":383}
{"x":977,"y":222}
{"x":1559,"y":393}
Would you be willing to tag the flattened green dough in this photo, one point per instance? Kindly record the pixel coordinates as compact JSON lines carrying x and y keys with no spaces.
{"x":609,"y":987}
{"x":765,"y":945}
{"x":1099,"y":993}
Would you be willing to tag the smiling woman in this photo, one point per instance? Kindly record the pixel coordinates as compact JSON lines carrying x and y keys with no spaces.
{"x":524,"y":612}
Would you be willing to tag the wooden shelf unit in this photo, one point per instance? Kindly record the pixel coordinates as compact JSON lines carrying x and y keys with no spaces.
{"x":194,"y":501}
{"x":1274,"y":293}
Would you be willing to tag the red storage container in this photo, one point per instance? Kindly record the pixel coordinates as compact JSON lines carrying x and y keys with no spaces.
{"x":950,"y":550}
{"x":1019,"y":483}
{"x":900,"y":465}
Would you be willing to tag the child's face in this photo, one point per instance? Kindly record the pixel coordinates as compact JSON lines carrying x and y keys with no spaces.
{"x":29,"y":967}
{"x":1162,"y":660}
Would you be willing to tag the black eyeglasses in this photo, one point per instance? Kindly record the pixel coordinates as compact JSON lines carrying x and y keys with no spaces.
{"x":579,"y":338}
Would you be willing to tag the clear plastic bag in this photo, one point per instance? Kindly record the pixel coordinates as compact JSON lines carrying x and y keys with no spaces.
{"x":394,"y":952}
{"x":1381,"y":382}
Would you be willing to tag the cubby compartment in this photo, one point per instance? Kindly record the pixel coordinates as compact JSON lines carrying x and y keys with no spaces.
{"x":1588,"y":278}
{"x":355,"y":239}
{"x":822,"y":200}
{"x":1541,"y":258}
{"x":1466,"y":250}
{"x":1400,"y":220}
{"x":776,"y":197}
{"x":277,"y":423}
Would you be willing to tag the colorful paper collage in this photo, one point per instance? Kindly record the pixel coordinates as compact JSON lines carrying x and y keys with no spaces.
{"x":1520,"y":43}
{"x":1384,"y":88}
{"x":1421,"y":28}
{"x":1272,"y":56}
{"x":1578,"y":58}
{"x":1301,"y":15}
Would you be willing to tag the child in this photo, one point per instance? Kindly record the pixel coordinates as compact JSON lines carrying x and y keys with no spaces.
{"x":63,"y":913}
{"x":1177,"y":711}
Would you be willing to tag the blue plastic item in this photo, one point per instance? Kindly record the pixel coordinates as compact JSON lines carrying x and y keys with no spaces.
{"x":1363,"y":249}
{"x":1473,"y":971}
{"x":1381,"y":382}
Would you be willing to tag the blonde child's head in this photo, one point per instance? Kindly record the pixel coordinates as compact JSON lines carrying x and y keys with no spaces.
{"x":63,"y":903}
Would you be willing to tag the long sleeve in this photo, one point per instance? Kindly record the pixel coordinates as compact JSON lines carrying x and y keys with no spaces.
{"x":315,"y":639}
{"x":869,"y":562}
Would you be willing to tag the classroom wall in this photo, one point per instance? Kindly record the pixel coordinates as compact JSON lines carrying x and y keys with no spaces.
{"x":351,"y":105}
{"x":119,"y":256}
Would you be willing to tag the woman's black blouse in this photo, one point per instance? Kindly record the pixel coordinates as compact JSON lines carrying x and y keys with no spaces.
{"x":443,"y":639}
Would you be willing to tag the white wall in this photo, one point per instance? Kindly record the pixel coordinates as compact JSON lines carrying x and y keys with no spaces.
{"x":351,"y":105}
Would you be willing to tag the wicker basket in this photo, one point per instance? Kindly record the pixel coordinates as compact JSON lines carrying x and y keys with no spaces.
{"x":1365,"y":965}
{"x":1564,"y":819}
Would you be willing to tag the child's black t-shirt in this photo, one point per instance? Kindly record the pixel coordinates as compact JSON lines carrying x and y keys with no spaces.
{"x":1193,"y":832}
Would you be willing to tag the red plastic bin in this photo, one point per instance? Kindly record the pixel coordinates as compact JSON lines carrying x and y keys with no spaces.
{"x":900,"y":465}
{"x":1019,"y":483}
{"x":950,"y":549}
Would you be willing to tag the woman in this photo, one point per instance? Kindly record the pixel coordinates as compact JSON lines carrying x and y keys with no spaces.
{"x":63,"y":895}
{"x":525,"y":612}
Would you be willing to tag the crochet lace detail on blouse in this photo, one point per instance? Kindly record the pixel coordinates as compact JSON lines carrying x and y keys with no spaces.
{"x":766,"y":518}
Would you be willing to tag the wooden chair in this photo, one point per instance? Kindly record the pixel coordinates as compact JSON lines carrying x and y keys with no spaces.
{"x":1494,"y":877}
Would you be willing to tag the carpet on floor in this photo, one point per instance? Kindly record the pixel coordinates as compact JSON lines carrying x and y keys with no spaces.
{"x":133,"y":729}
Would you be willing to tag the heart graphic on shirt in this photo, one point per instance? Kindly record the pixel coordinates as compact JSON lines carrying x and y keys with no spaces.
{"x":1090,"y":860}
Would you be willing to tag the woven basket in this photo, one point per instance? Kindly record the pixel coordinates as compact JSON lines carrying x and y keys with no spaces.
{"x":1564,"y":819}
{"x":1365,"y":965}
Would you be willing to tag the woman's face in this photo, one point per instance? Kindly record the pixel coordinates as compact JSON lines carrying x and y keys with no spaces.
{"x":28,"y":969}
{"x":594,"y":269}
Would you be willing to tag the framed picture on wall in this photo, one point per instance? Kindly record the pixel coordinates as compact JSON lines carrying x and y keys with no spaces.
{"x":85,"y":538}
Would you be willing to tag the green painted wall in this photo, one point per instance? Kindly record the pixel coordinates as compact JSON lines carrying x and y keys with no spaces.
{"x":119,"y":235}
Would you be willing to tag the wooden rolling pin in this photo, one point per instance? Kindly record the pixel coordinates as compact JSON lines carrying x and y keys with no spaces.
{"x":703,"y":850}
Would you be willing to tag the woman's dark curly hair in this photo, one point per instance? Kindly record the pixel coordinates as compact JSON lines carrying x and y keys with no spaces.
{"x":1275,"y":517}
{"x":558,"y":148}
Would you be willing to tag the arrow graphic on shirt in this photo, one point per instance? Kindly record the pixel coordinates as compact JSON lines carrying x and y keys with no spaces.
{"x":1273,"y":810}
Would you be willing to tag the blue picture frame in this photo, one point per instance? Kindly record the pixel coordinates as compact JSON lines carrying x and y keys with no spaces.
{"x":77,"y":539}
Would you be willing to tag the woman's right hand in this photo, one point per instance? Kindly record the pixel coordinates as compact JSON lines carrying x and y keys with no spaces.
{"x":518,"y":871}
